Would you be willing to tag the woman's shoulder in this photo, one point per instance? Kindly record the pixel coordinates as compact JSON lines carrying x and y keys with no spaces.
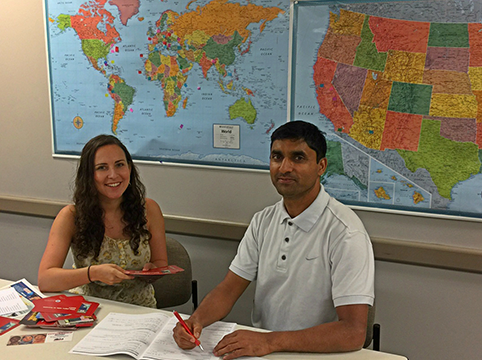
{"x":65,"y":219}
{"x":67,"y":212}
{"x":151,"y":204}
{"x":152,"y":208}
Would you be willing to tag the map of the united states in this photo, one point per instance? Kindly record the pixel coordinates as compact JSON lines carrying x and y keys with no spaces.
{"x":410,"y":86}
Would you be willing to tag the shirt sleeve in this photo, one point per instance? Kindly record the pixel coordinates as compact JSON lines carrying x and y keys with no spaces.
{"x":245,"y":263}
{"x":353,"y":270}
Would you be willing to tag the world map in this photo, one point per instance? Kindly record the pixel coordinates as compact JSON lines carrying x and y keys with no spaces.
{"x":397,"y":88}
{"x":197,"y":82}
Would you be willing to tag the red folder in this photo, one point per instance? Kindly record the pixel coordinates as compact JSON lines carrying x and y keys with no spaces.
{"x":164,"y":270}
{"x":63,"y":304}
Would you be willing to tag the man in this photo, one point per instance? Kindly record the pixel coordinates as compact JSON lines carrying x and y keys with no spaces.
{"x":310,"y":255}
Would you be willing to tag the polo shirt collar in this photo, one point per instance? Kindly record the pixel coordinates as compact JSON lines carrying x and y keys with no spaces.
{"x":308,"y":218}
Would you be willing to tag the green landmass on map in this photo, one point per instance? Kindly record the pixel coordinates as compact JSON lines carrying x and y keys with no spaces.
{"x":449,"y":35}
{"x":367,"y":55}
{"x":95,"y":48}
{"x":155,"y":59}
{"x":334,"y":158}
{"x":63,"y":22}
{"x":243,"y":109}
{"x":224,"y":52}
{"x":125,"y":92}
{"x":480,"y":159}
{"x":448,"y":162}
{"x":410,"y":98}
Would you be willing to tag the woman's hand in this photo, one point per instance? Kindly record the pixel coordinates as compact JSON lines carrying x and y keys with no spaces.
{"x":109,"y":274}
{"x":149,"y":266}
{"x":147,"y":278}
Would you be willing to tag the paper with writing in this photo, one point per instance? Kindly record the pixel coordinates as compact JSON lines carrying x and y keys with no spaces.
{"x":10,"y":302}
{"x":147,"y":337}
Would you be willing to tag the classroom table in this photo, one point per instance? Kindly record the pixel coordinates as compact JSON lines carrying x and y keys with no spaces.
{"x":60,"y":350}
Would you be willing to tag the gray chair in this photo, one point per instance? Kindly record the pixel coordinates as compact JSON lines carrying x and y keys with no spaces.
{"x":373,"y":330}
{"x":176,"y":289}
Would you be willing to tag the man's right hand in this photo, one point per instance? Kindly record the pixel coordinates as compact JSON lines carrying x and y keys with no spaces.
{"x":183,"y":339}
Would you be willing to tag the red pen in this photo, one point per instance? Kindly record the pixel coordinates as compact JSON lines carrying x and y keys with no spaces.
{"x":184,"y":325}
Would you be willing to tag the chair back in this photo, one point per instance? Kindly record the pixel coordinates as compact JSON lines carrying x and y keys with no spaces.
{"x":175,"y":289}
{"x":373,"y":330}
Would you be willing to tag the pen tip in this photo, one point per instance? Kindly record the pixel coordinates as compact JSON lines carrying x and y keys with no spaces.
{"x":201,"y":347}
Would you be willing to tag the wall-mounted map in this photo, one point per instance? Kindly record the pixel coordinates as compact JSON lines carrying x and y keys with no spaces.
{"x":199,"y":82}
{"x":397,"y":87}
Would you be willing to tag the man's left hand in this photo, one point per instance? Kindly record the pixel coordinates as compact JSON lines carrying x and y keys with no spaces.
{"x":243,"y":343}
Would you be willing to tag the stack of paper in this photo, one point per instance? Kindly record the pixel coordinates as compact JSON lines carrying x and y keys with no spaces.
{"x":16,"y":299}
{"x":61,"y":311}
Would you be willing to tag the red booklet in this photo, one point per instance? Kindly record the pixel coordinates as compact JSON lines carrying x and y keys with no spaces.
{"x":63,"y":304}
{"x":61,"y":311}
{"x":7,"y":324}
{"x":160,"y":271}
{"x":36,"y":320}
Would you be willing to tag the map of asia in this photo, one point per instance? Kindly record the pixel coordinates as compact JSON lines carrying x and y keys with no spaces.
{"x":199,"y":82}
{"x":397,"y":88}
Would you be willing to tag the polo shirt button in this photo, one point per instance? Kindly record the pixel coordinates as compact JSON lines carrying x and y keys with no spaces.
{"x":287,"y":239}
{"x":290,"y":223}
{"x":283,"y":257}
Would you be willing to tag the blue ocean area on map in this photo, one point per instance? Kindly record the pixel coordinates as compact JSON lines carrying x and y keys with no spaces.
{"x":400,"y":190}
{"x":467,"y":195}
{"x":344,"y":189}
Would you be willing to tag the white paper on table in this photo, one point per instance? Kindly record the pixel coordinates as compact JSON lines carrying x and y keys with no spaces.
{"x":149,"y":337}
{"x":121,"y":334}
{"x":164,"y":346}
{"x":10,"y":302}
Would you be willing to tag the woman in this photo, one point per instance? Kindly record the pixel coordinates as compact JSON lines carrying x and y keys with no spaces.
{"x":110,"y":228}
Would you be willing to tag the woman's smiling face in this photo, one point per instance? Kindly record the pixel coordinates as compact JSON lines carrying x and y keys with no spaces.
{"x":111,"y":172}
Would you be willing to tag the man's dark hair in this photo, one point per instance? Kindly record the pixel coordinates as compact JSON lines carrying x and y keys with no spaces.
{"x":301,"y":130}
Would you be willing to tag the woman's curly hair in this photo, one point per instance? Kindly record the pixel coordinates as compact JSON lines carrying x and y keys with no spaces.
{"x":89,"y":216}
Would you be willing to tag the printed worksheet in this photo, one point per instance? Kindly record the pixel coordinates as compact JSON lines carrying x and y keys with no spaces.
{"x":147,"y":337}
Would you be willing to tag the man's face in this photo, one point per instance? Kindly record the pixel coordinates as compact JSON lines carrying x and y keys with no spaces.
{"x":294,"y":170}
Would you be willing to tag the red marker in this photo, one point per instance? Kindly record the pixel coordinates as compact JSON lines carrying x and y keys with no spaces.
{"x":184,"y":325}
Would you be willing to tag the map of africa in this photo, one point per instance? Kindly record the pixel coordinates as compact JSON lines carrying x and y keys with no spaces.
{"x":198,"y":82}
{"x":397,"y":88}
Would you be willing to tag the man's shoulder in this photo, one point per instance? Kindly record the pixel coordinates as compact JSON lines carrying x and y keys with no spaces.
{"x":268,"y":212}
{"x":345,"y":215}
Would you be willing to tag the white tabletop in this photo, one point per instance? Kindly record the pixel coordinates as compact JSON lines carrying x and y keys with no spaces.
{"x":60,"y":350}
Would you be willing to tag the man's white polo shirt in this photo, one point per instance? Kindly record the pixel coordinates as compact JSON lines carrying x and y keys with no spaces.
{"x":306,"y":266}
